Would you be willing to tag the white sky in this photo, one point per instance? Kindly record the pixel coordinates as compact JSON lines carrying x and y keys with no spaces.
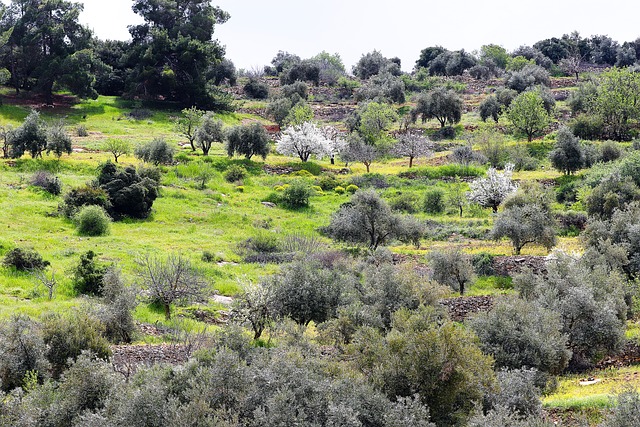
{"x":259,"y":28}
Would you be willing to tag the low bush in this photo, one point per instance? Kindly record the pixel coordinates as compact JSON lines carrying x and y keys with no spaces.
{"x":92,"y":220}
{"x":84,"y":196}
{"x":235,"y":173}
{"x":571,"y":223}
{"x":47,"y":181}
{"x":24,"y":260}
{"x":404,"y":202}
{"x":339,"y":189}
{"x":256,"y":89}
{"x":444,"y":171}
{"x":296,"y":195}
{"x":483,"y":264}
{"x":327,"y":181}
{"x":157,"y":152}
{"x":351,"y":188}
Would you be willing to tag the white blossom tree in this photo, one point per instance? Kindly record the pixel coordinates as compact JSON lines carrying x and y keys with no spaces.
{"x":336,"y":141}
{"x":412,"y":145}
{"x":489,"y":192}
{"x":303,"y":141}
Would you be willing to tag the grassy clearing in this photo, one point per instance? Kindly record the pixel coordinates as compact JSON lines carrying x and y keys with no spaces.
{"x":571,"y":395}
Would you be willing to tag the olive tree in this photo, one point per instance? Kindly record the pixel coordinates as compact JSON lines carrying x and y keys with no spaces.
{"x":519,"y":333}
{"x":367,"y":220}
{"x":442,"y":104}
{"x":567,"y":155}
{"x":58,"y":140}
{"x":452,"y":268}
{"x":170,"y":280}
{"x":357,"y":150}
{"x":208,"y":132}
{"x":30,"y":136}
{"x":526,"y":219}
{"x":248,"y":141}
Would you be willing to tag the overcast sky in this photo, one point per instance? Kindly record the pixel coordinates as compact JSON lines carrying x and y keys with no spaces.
{"x":259,"y":28}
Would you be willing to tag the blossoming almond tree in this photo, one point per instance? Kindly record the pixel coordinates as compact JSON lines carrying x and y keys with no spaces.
{"x":303,"y":141}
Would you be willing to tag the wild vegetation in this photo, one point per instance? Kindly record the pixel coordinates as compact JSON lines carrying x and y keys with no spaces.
{"x":187,"y":244}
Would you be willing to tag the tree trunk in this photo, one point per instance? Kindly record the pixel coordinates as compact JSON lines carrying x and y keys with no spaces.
{"x":410,"y":162}
{"x":367,"y":165}
{"x":167,"y":311}
{"x":462,"y":288}
{"x":460,"y":207}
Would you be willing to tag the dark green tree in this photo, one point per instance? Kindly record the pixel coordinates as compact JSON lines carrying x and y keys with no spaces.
{"x":173,"y":50}
{"x":442,"y":104}
{"x":568,"y":154}
{"x":48,"y":46}
{"x":31,"y":136}
{"x":248,"y":140}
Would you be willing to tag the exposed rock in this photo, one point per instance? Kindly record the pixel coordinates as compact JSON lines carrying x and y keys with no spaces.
{"x":462,"y":307}
{"x":268,"y":204}
{"x":510,"y":265}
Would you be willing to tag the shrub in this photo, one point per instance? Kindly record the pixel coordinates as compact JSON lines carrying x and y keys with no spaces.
{"x":405,"y":202}
{"x":83,"y":196}
{"x":129,"y":193}
{"x":235,"y":173}
{"x":116,"y":311}
{"x":434,"y":201}
{"x":157,"y":152}
{"x":47,"y":181}
{"x":296,"y":195}
{"x":351,"y":188}
{"x":82,"y":131}
{"x":483,"y":264}
{"x":327,"y":181}
{"x":68,"y":336}
{"x":92,"y":221}
{"x":88,"y":275}
{"x":23,"y":351}
{"x":256,"y":89}
{"x":587,"y":127}
{"x":339,"y":189}
{"x":571,"y":222}
{"x":24,"y":260}
{"x":610,"y":151}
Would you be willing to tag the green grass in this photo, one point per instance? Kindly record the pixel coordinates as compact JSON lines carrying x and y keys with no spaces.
{"x":571,"y":395}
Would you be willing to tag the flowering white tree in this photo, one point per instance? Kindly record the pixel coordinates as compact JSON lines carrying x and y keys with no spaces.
{"x":336,"y":141}
{"x":489,"y":192}
{"x":412,"y":145}
{"x":303,"y":141}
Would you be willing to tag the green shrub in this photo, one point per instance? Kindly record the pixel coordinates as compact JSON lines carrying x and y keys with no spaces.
{"x":208,"y":256}
{"x":82,"y":131}
{"x":92,"y":220}
{"x":434,"y":201}
{"x":157,"y":152}
{"x":317,"y":189}
{"x":240,"y":189}
{"x":67,"y":337}
{"x":303,"y":173}
{"x":256,"y":89}
{"x":587,"y":127}
{"x":351,"y":188}
{"x":296,"y":195}
{"x":235,"y":173}
{"x":83,"y":196}
{"x":88,"y":275}
{"x":24,"y":260}
{"x":483,"y":264}
{"x":327,"y":181}
{"x":339,"y":190}
{"x":444,"y":171}
{"x":404,"y":202}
